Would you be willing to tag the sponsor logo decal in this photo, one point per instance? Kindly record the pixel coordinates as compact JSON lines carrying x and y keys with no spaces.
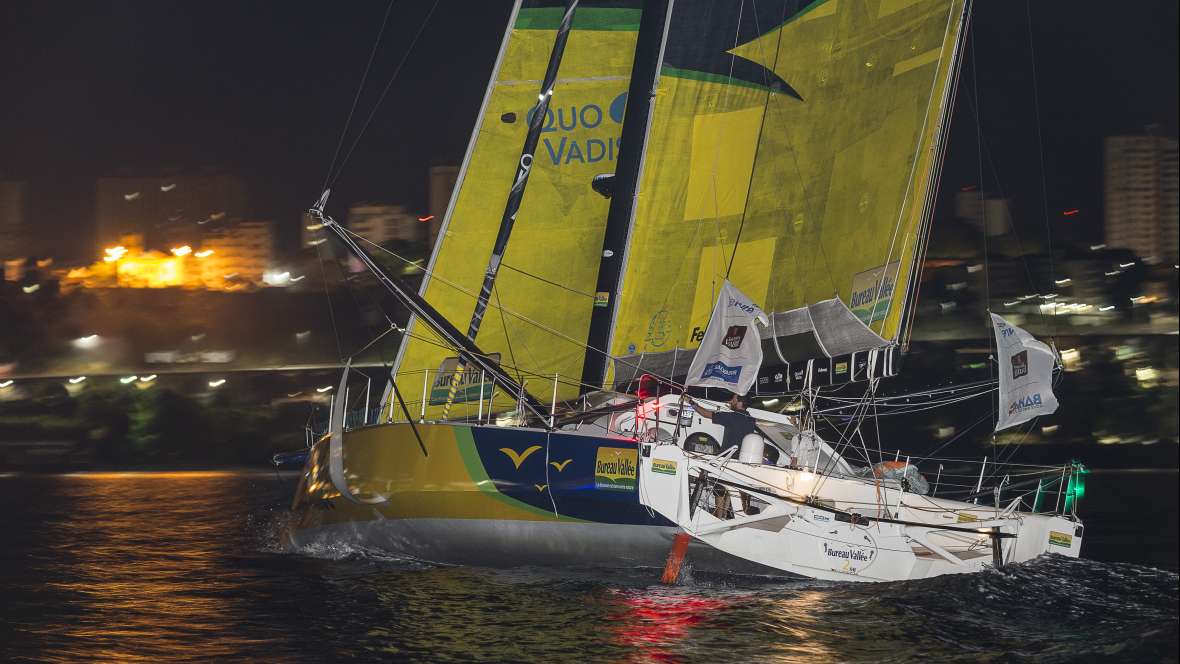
{"x":1060,"y":539}
{"x":734,"y":337}
{"x":1025,"y":403}
{"x":582,"y":133}
{"x":518,"y":458}
{"x":615,"y":468}
{"x":964,"y":517}
{"x":663,"y":466}
{"x":560,"y":466}
{"x":657,"y":329}
{"x":1019,"y":364}
{"x":848,"y":552}
{"x":841,"y":367}
{"x":469,"y":382}
{"x":601,"y":299}
{"x":723,"y":371}
{"x":872,"y":292}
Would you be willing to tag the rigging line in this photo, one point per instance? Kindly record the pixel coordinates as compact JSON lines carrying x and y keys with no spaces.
{"x":1041,"y":154}
{"x":381,"y":98}
{"x":359,"y":89}
{"x":530,"y":321}
{"x":987,"y":297}
{"x":331,"y":311}
{"x":761,"y":126}
{"x":551,"y":283}
{"x":990,"y":158}
{"x":507,"y":339}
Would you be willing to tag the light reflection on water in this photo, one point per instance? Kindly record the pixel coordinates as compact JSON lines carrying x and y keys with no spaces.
{"x":177,"y":566}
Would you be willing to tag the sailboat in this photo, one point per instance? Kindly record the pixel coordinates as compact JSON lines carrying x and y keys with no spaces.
{"x":699,"y":181}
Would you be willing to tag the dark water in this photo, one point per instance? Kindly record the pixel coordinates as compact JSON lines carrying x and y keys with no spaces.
{"x":167,"y":567}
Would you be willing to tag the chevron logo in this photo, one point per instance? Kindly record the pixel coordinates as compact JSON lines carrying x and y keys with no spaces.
{"x":560,"y":466}
{"x":516,"y":458}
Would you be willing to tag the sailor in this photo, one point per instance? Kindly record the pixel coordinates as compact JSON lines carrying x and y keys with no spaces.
{"x":737,"y":423}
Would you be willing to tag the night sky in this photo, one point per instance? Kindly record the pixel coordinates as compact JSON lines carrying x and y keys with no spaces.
{"x":262,"y":89}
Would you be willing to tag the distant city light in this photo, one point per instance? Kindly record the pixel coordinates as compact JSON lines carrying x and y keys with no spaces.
{"x":1071,"y":358}
{"x":429,"y":217}
{"x":299,"y":278}
{"x":1062,"y":282}
{"x":217,"y":383}
{"x":323,"y":389}
{"x":1113,"y":273}
{"x":1097,"y":247}
{"x":132,"y":196}
{"x":114,"y":253}
{"x":275,"y":278}
{"x":1070,"y":212}
{"x":184,"y":250}
{"x":167,"y":187}
{"x":1126,"y":265}
{"x":147,"y":379}
{"x":1049,"y":429}
{"x":972,"y":269}
{"x":1012,"y":303}
{"x":29,"y":290}
{"x":302,"y":336}
{"x":88,"y":341}
{"x":7,"y":383}
{"x":76,"y":380}
{"x":1106,"y":308}
{"x":204,"y":253}
{"x":127,"y":380}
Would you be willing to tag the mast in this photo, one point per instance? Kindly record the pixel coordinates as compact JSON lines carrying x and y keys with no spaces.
{"x":649,"y":50}
{"x":512,"y":206}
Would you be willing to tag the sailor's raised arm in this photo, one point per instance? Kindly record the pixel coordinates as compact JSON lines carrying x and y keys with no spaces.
{"x":705,"y":412}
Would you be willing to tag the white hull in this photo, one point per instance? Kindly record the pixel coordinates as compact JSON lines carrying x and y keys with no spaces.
{"x":833,"y":528}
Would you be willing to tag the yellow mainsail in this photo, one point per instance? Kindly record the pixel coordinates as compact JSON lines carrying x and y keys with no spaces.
{"x":540,"y":310}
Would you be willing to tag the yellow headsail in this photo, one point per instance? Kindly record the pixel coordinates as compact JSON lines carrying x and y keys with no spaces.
{"x":797,"y":157}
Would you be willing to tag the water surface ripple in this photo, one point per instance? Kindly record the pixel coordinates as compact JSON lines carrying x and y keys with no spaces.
{"x":182,"y":566}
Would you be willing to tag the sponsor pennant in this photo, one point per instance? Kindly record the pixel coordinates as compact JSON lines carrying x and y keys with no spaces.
{"x":731,"y":352}
{"x":1026,"y":375}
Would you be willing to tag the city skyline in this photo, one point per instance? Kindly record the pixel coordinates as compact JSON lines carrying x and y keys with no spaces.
{"x":268,"y":105}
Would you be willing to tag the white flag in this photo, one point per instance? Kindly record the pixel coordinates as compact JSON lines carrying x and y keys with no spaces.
{"x":731,"y":352}
{"x":1026,"y":375}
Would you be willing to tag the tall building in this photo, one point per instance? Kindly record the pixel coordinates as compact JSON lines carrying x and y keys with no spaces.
{"x":238,"y":253}
{"x":378,"y":223}
{"x":14,"y":229}
{"x":1141,"y":196}
{"x":986,"y":213}
{"x":166,"y":210}
{"x":442,"y":183}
